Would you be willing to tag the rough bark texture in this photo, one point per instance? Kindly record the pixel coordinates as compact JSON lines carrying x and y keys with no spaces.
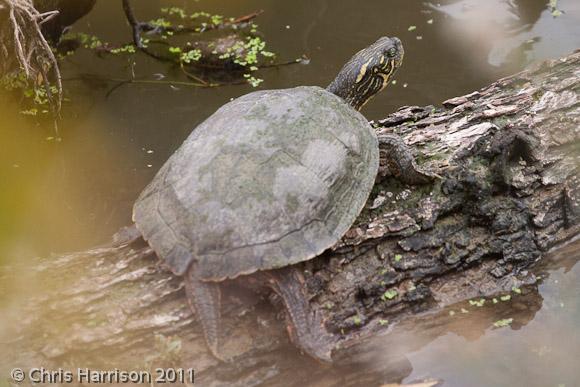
{"x":508,"y":157}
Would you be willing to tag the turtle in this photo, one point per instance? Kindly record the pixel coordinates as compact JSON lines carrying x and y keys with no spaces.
{"x":272,"y":179}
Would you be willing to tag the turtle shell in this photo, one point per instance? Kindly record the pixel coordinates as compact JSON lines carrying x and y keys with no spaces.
{"x":271,"y":179}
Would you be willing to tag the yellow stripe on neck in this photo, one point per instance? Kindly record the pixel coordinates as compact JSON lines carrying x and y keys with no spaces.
{"x":363,"y":71}
{"x":387,"y":76}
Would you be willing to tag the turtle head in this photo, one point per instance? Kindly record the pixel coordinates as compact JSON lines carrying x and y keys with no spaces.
{"x":368,"y":72}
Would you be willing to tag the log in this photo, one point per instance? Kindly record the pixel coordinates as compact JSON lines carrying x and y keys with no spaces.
{"x":69,"y":11}
{"x":508,"y":160}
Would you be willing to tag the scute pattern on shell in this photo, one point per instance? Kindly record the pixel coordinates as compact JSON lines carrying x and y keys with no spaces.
{"x":272,"y":178}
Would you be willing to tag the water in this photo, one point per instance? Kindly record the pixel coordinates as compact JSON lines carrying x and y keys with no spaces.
{"x":541,"y":348}
{"x":67,"y":195}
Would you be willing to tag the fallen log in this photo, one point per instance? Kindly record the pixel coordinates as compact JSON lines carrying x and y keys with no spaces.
{"x":67,"y":12}
{"x":508,"y":157}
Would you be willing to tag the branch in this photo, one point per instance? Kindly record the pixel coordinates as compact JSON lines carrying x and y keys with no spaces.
{"x":138,"y":27}
{"x":134,"y":23}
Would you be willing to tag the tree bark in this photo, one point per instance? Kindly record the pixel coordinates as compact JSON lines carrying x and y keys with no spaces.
{"x":508,"y":157}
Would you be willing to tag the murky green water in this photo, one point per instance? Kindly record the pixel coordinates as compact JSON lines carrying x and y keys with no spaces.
{"x":67,"y":195}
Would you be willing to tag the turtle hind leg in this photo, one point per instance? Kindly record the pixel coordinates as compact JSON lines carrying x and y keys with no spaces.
{"x":401,"y":163}
{"x":204,"y":298}
{"x":305,"y":326}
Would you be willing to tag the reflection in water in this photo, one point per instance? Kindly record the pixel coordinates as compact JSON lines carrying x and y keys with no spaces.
{"x":509,"y":32}
{"x":541,"y":348}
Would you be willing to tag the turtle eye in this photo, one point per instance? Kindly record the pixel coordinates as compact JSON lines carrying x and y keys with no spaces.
{"x":391,"y":52}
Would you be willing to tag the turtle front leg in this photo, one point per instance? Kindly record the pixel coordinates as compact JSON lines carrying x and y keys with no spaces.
{"x":400,"y":161}
{"x":305,"y":326}
{"x":204,"y":298}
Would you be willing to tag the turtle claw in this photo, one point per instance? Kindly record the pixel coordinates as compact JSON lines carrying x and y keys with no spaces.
{"x":216,"y":352}
{"x":316,"y":346}
{"x":205,"y":299}
{"x":323,"y":356}
{"x":401,"y":163}
{"x":317,"y":342}
{"x":305,"y":327}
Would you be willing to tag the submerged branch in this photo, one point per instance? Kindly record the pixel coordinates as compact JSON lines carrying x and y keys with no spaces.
{"x":138,"y":27}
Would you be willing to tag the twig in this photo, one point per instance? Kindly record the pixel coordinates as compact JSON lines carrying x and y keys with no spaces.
{"x":46,"y":16}
{"x":211,"y":27}
{"x":304,"y":58}
{"x":159,"y":82}
{"x":190,"y":75}
{"x":138,"y":27}
{"x":246,"y":18}
{"x":122,"y":82}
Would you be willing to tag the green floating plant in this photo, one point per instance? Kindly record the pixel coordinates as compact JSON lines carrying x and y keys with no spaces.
{"x":503,"y":322}
{"x":35,"y":98}
{"x":553,"y":5}
{"x":478,"y":303}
